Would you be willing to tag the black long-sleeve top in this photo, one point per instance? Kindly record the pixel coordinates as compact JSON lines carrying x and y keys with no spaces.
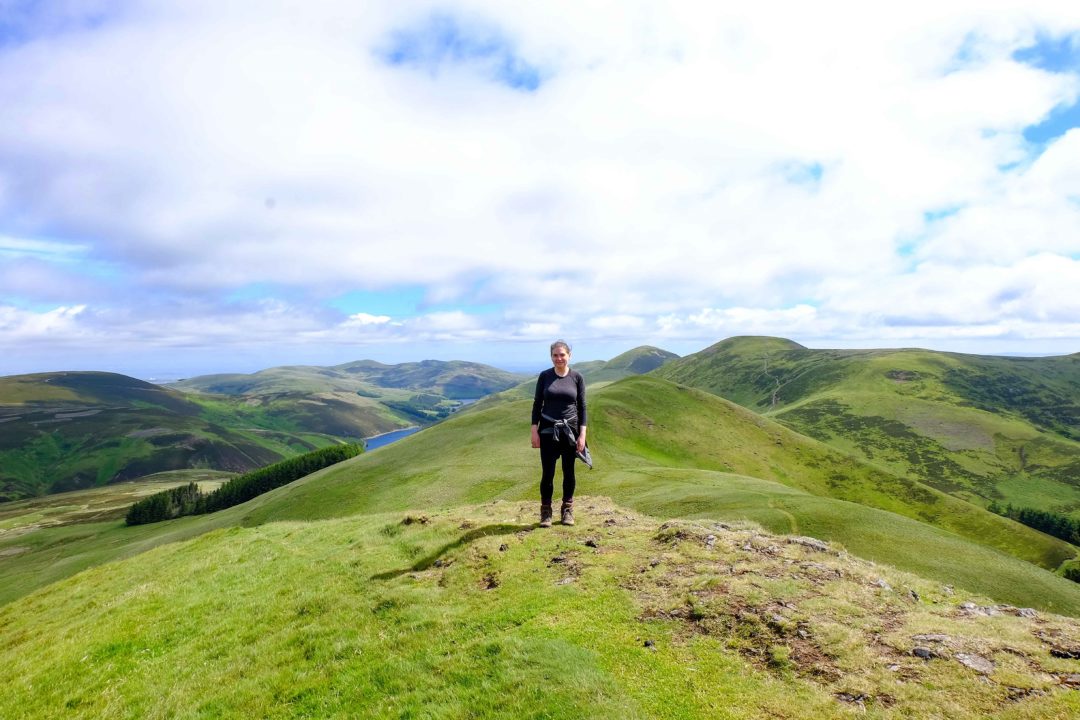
{"x":562,"y":398}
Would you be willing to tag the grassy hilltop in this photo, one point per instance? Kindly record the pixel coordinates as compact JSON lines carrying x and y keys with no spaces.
{"x":474,"y":612}
{"x":982,"y":428}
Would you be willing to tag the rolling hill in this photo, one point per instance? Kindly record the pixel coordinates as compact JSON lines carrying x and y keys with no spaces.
{"x":413,"y":581}
{"x":979,"y":427}
{"x":637,"y":361}
{"x":71,"y":430}
{"x":63,"y":431}
{"x":454,"y":380}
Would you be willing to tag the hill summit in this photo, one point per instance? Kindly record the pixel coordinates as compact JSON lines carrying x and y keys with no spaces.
{"x":475,"y":612}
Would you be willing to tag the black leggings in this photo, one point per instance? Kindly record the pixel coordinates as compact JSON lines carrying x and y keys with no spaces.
{"x":550,"y":451}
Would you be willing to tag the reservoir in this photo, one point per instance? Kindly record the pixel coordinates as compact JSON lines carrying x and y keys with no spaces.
{"x":378,"y":441}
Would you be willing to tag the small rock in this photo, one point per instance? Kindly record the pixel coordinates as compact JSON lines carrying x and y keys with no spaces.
{"x":1072,"y":680}
{"x":880,"y":582}
{"x":592,"y":542}
{"x":1065,"y":653}
{"x":649,"y":644}
{"x":894,"y":668}
{"x":858,"y":698}
{"x":801,"y":632}
{"x":931,"y":638}
{"x":968,"y":606}
{"x":924,"y":652}
{"x":976,"y":662}
{"x":914,"y":595}
{"x":654,"y":562}
{"x":504,"y":547}
{"x":947,"y":589}
{"x":710,"y":541}
{"x":1027,"y":613}
{"x":812,"y":543}
{"x":565,"y":581}
{"x":558,"y":560}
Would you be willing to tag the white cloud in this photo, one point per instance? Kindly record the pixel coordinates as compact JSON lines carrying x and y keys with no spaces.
{"x":362,"y":319}
{"x":685,"y":170}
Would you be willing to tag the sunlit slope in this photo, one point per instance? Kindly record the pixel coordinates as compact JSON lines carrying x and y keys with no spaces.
{"x":62,"y":431}
{"x":474,"y":612}
{"x":637,"y":361}
{"x":665,"y":449}
{"x":980,"y":427}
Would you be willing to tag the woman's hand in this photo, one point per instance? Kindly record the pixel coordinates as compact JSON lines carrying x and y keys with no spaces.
{"x":581,"y":440}
{"x":535,"y":437}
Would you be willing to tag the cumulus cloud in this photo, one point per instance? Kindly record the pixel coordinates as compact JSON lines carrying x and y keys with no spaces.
{"x":638,"y":171}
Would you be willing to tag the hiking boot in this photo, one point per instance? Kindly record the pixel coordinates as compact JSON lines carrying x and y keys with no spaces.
{"x":568,"y":513}
{"x":545,"y":515}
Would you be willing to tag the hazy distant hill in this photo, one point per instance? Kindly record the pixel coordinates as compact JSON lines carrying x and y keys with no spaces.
{"x":978,"y":426}
{"x":455,"y":380}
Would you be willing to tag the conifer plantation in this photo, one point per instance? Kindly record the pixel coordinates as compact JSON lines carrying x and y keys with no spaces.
{"x":189,"y":500}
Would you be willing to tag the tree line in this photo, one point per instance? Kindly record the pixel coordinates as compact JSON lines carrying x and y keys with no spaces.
{"x":190,"y":500}
{"x":1060,"y":526}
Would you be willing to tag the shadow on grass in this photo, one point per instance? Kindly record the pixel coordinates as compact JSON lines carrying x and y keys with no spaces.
{"x":471,"y":536}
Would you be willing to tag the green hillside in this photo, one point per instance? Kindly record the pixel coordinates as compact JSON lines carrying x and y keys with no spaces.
{"x":413,"y":581}
{"x":661,"y":449}
{"x":475,"y":613}
{"x":982,"y":428}
{"x":64,"y":431}
{"x":638,"y":361}
{"x":454,"y":380}
{"x":597,"y":373}
{"x":668,"y":450}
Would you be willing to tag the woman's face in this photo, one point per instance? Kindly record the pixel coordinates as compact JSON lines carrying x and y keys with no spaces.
{"x":560,"y":357}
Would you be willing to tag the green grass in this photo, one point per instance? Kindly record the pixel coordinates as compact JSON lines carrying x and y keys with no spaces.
{"x":642,"y":425}
{"x":100,"y":428}
{"x":660,"y":449}
{"x":965,"y":424}
{"x":475,"y":613}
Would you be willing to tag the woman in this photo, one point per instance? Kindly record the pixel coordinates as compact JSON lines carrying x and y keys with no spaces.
{"x":558,"y":429}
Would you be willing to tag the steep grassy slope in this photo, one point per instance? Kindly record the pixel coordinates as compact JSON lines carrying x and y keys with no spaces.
{"x":63,"y":431}
{"x":982,"y":428}
{"x":476,"y":613}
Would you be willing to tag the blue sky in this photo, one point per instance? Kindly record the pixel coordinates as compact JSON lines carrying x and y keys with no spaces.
{"x":204,"y":187}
